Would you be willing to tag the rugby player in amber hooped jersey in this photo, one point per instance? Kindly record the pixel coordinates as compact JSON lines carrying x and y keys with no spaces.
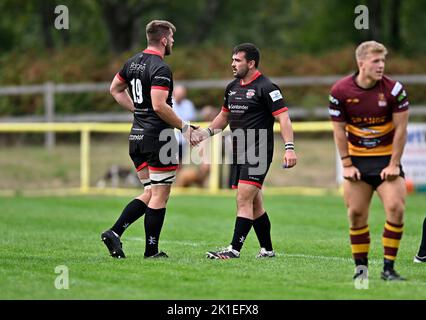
{"x":144,"y":86}
{"x":251,"y":105}
{"x":369,"y":112}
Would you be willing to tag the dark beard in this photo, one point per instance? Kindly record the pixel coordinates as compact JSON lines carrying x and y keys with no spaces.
{"x":242,"y":74}
{"x":168,"y":50}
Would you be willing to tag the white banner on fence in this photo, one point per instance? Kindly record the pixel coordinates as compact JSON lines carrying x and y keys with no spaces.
{"x":413,"y":159}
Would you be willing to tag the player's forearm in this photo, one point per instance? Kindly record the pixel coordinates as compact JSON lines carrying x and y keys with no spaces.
{"x":398,"y":144}
{"x":166,"y":113}
{"x":341,"y":142}
{"x":123,"y":99}
{"x":220,"y":122}
{"x":286,"y":128}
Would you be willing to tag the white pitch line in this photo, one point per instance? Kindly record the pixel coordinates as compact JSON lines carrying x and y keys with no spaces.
{"x":295,"y":255}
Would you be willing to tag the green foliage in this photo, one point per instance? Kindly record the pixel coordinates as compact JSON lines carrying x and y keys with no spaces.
{"x":82,"y":64}
{"x":291,"y":26}
{"x":303,"y":37}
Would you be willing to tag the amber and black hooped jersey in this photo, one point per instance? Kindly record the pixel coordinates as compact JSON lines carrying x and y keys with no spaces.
{"x":368,"y":113}
{"x":253,"y":105}
{"x":143,"y":72}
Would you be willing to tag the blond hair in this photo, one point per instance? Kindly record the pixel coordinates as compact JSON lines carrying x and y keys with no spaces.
{"x":157,"y":29}
{"x":369,"y":47}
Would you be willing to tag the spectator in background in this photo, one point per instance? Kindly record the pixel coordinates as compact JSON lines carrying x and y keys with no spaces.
{"x":185,"y":109}
{"x":197,"y":176}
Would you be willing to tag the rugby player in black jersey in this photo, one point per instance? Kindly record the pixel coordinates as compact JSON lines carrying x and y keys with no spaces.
{"x":251,"y":105}
{"x":144,"y":86}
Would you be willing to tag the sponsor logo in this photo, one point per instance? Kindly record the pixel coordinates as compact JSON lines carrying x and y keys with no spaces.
{"x":396,"y":88}
{"x":405,"y":104}
{"x":135,"y":137}
{"x":254,"y":178}
{"x":137,"y":67}
{"x":369,"y":143}
{"x":231,"y":93}
{"x":402,"y":96}
{"x":382,"y":100}
{"x":275,"y":95}
{"x":250,"y":93}
{"x":353,"y":101}
{"x":333,"y":100}
{"x":334,"y":112}
{"x":238,"y":107}
{"x":368,"y":130}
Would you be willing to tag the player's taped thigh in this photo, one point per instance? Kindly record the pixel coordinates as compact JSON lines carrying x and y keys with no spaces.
{"x":159,"y":178}
{"x":146,"y":183}
{"x":143,"y":176}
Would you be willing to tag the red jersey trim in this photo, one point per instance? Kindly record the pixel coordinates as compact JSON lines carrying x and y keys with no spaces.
{"x":275,"y":113}
{"x":234,"y":187}
{"x":256,"y":75}
{"x":160,"y":88}
{"x":120,"y":77}
{"x":149,"y":51}
{"x":143,"y":165}
{"x":224,"y":109}
{"x":257,"y":184}
{"x":171,"y":168}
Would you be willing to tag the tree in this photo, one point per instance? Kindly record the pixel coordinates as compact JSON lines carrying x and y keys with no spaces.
{"x":376,"y":26}
{"x":123,"y":21}
{"x":395,"y":27}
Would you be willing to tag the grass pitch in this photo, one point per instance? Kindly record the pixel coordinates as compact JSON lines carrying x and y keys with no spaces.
{"x":310,"y":235}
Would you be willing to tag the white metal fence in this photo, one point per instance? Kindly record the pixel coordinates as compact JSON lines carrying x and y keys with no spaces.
{"x":49,"y":89}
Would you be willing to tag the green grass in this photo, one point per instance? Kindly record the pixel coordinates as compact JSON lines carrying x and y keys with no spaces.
{"x":310,"y":235}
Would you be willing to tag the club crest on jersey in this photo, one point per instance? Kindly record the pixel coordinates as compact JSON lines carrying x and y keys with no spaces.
{"x":250,"y":93}
{"x":382,"y":100}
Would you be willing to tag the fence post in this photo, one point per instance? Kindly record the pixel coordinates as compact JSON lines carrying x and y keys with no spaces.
{"x":49,"y":113}
{"x":85,"y":160}
{"x":214,"y":181}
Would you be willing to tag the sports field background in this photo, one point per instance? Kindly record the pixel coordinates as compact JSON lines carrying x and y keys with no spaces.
{"x":309,"y":234}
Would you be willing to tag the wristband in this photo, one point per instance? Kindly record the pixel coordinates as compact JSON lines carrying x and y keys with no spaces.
{"x":210,"y":132}
{"x":289,"y":146}
{"x":185,"y":126}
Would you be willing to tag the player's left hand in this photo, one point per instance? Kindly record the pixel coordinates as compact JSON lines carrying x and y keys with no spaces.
{"x":290,"y":159}
{"x":390,"y":173}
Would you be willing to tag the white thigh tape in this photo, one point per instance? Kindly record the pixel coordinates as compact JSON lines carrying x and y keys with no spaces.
{"x":162,"y":178}
{"x":146,"y":183}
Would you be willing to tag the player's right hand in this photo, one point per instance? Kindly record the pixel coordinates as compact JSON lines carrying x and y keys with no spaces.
{"x":188,"y":134}
{"x":351,"y":173}
{"x":198,"y":135}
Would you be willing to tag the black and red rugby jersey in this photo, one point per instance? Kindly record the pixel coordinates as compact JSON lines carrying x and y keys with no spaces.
{"x":143,"y":72}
